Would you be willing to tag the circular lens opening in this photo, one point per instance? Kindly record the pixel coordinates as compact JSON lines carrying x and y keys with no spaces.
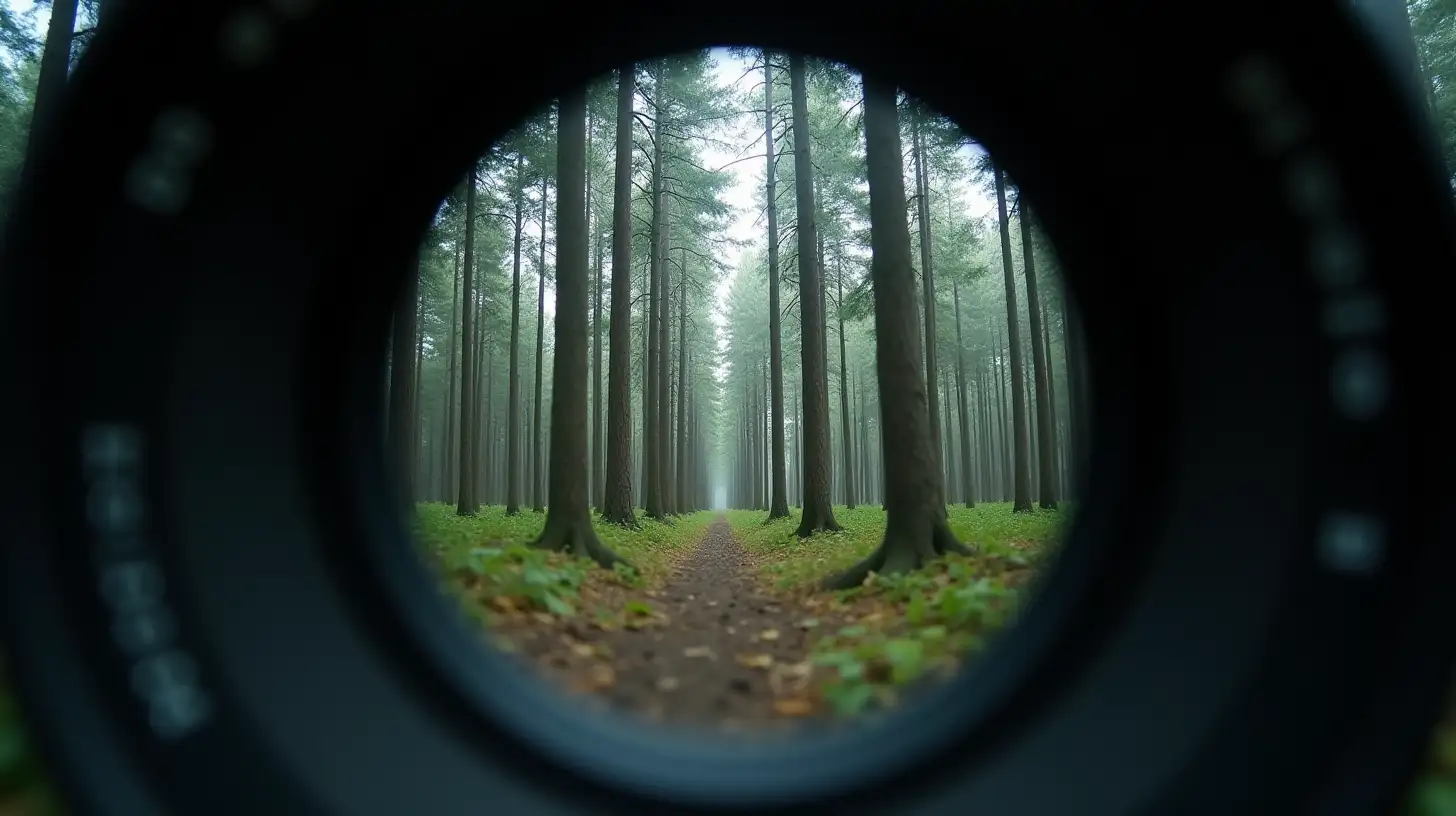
{"x":696,"y":527}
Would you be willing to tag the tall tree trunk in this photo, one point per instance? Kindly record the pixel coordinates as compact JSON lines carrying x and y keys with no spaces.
{"x":1003,"y":425}
{"x":1051,"y":420}
{"x":568,"y":525}
{"x":682,"y":499}
{"x":55,"y":64}
{"x":663,"y":426}
{"x":922,"y":201}
{"x":513,"y":398}
{"x":477,"y":376}
{"x":818,"y":511}
{"x":779,"y":505}
{"x":645,"y":377}
{"x":419,"y":485}
{"x":652,"y":489}
{"x":1021,"y":495}
{"x":915,"y":525}
{"x":618,"y":503}
{"x":447,"y":475}
{"x":967,"y":490}
{"x":594,"y":228}
{"x":844,"y":418}
{"x":1076,"y":387}
{"x":402,"y":383}
{"x":798,"y":470}
{"x":538,"y":478}
{"x":465,"y":502}
{"x":1046,"y":449}
{"x":487,"y":471}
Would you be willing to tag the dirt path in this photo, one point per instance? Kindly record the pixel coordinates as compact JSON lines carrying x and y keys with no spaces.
{"x":715,"y":651}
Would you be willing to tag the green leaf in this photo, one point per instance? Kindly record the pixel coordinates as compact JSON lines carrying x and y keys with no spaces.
{"x":907,"y":658}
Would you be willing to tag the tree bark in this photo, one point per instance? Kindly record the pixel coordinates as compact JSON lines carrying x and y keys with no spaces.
{"x":779,"y":503}
{"x":922,"y":202}
{"x":1021,"y":476}
{"x":55,"y":65}
{"x":513,"y":391}
{"x":681,"y":498}
{"x":818,"y":511}
{"x":617,"y":505}
{"x":538,"y":498}
{"x":963,"y":416}
{"x":652,"y":489}
{"x":1046,"y":448}
{"x":568,"y":525}
{"x":465,"y":501}
{"x":915,"y":524}
{"x":447,"y":468}
{"x":844,"y":419}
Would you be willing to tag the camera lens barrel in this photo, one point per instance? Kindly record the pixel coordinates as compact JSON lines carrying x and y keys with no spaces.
{"x":208,"y":609}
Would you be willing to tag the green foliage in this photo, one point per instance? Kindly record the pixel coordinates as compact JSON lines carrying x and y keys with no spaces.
{"x":488,"y":560}
{"x":912,"y":626}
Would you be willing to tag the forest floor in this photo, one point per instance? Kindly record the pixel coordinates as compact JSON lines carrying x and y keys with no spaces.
{"x":723,"y":627}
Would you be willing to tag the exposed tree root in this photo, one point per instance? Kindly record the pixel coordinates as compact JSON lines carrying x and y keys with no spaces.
{"x":811,"y":523}
{"x":776,"y":514}
{"x":580,"y":540}
{"x":901,"y":552}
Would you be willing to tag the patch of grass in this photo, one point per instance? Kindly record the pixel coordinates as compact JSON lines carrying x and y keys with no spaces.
{"x":488,"y":562}
{"x":903,"y":628}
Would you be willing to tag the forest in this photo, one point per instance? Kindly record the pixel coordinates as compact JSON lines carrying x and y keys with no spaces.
{"x":732,"y":390}
{"x":806,"y":358}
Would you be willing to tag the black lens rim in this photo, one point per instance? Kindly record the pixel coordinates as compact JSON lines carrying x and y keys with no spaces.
{"x":50,"y":589}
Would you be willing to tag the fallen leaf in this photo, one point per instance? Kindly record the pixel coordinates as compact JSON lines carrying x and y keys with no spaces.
{"x":769,"y":634}
{"x":583,"y":649}
{"x":667,"y":683}
{"x":794,"y":708}
{"x":699,"y":651}
{"x":808,"y":623}
{"x":756,"y":661}
{"x":543,"y":617}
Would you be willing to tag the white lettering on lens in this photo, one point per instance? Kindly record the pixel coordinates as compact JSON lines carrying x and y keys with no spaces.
{"x":132,"y":585}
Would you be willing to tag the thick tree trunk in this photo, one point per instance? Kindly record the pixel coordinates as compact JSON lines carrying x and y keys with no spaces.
{"x":818,"y":511}
{"x":915,"y":527}
{"x":568,"y":525}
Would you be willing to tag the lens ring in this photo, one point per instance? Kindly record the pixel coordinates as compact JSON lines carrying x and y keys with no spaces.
{"x":236,"y":528}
